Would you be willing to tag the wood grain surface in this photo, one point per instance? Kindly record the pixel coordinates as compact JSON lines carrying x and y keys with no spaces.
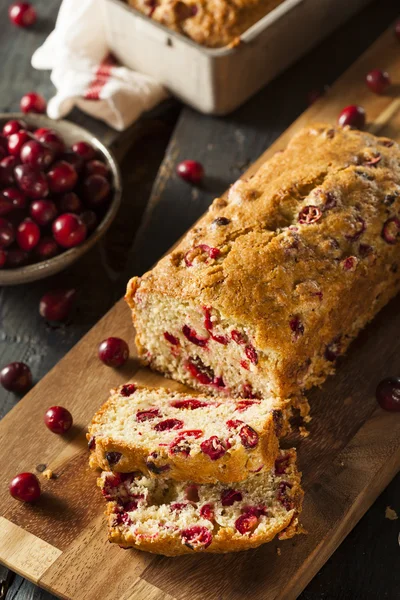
{"x":351,"y":455}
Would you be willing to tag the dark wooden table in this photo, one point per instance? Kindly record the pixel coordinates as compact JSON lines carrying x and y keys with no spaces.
{"x":157,"y":208}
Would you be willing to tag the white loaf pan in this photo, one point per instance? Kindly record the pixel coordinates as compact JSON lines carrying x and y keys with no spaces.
{"x":217,"y":81}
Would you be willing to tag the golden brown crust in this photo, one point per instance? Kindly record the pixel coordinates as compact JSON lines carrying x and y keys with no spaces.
{"x":155,"y":460}
{"x":304,"y":289}
{"x":212,"y":23}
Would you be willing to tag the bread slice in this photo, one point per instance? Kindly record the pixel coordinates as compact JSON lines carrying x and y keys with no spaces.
{"x":185,"y":437}
{"x":171,"y":518}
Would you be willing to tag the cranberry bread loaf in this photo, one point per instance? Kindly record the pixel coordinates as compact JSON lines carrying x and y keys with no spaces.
{"x":273,"y":283}
{"x":172,"y":518}
{"x":203,"y":439}
{"x":212,"y":23}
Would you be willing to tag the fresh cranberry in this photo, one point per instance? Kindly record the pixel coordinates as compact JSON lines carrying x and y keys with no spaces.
{"x":16,"y":257}
{"x":147,"y":415}
{"x":128,"y":389}
{"x":309,"y":214}
{"x":28,"y":235}
{"x":69,"y":230}
{"x":73,"y":159}
{"x":7,"y":234}
{"x":213,"y":447}
{"x":6,"y":205}
{"x":3,"y":258}
{"x":352,"y":115}
{"x":388,"y":394}
{"x":58,"y":419}
{"x":16,"y":141}
{"x":246,"y":523}
{"x":95,"y":190}
{"x":391,"y":230}
{"x":62,"y":177}
{"x":7,"y":166}
{"x":207,"y":512}
{"x":43,"y":212}
{"x":89,"y":217}
{"x":114,"y":352}
{"x":84,"y":150}
{"x":3,"y":146}
{"x":191,"y":171}
{"x":25,"y":487}
{"x":70,"y":203}
{"x":41,"y":131}
{"x":36,"y":154}
{"x":97,"y":167}
{"x":33,"y":103}
{"x":22,"y":14}
{"x":13,"y":126}
{"x":171,"y":338}
{"x":192,"y":336}
{"x":229,"y":497}
{"x":31,"y":181}
{"x":196,"y":537}
{"x":15,"y":195}
{"x":56,"y":305}
{"x":248,"y":436}
{"x":47,"y":248}
{"x":378,"y":81}
{"x":169,"y":424}
{"x":188,"y":403}
{"x":16,"y":377}
{"x":51,"y":139}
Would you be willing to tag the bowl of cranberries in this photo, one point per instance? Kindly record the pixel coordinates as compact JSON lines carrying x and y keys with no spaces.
{"x":60,"y":190}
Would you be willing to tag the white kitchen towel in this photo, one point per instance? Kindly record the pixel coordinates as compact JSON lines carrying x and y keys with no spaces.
{"x":86,"y":75}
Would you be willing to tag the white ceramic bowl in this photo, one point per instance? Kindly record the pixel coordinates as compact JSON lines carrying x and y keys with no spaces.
{"x":70,"y":133}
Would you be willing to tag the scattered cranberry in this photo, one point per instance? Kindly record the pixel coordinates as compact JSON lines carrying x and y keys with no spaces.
{"x":147,"y":415}
{"x":43,"y":212}
{"x":168,"y":424}
{"x":33,"y":102}
{"x":95,"y":190}
{"x":251,"y":354}
{"x":56,"y":305}
{"x":17,"y":197}
{"x":69,"y":230}
{"x":114,"y":352}
{"x":230,"y":496}
{"x":128,"y":389}
{"x":309,"y":214}
{"x":391,"y":230}
{"x":188,"y":403}
{"x":16,"y":141}
{"x":191,"y":171}
{"x":378,"y":81}
{"x":248,"y":436}
{"x":89,"y":218}
{"x":213,"y":447}
{"x":388,"y":394}
{"x":192,"y":336}
{"x":25,"y":487}
{"x":16,"y":377}
{"x":22,"y":14}
{"x":58,"y":419}
{"x":28,"y":235}
{"x":36,"y":154}
{"x":354,"y":116}
{"x":246,"y":523}
{"x":97,"y":167}
{"x":7,"y":234}
{"x":84,"y":150}
{"x":196,"y":537}
{"x":207,"y":512}
{"x":31,"y":181}
{"x":13,"y":126}
{"x":47,"y":248}
{"x":70,"y":203}
{"x":51,"y":139}
{"x":62,"y":177}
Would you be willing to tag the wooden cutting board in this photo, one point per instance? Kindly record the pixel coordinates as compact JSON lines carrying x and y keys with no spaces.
{"x":351,"y":455}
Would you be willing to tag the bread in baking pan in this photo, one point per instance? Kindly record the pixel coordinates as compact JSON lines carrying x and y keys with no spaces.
{"x":168,"y":517}
{"x":212,"y":23}
{"x":182,"y":436}
{"x":269,"y":288}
